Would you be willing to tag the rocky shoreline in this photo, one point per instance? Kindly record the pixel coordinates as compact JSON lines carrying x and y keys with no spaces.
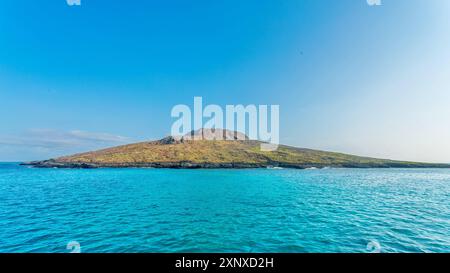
{"x":234,"y":165}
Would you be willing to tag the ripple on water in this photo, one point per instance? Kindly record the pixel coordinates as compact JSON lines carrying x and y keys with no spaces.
{"x":333,"y":210}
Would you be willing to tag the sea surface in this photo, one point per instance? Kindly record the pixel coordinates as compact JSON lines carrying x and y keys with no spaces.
{"x":166,"y":210}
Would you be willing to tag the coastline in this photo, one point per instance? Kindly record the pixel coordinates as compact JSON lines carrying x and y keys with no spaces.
{"x":231,"y":165}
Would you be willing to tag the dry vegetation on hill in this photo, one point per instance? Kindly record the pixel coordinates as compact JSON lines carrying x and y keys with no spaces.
{"x":216,"y":154}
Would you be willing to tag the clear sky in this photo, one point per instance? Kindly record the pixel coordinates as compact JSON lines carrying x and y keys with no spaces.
{"x":349,"y":77}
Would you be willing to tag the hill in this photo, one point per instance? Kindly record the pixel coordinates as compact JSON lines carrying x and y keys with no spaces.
{"x":199,"y":153}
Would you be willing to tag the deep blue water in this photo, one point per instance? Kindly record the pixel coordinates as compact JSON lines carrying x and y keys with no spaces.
{"x":163,"y":210}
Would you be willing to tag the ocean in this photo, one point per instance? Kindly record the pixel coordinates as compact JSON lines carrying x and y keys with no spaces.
{"x":254,"y":210}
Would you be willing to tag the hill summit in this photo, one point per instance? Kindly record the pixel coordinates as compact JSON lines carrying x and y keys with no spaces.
{"x":205,"y":134}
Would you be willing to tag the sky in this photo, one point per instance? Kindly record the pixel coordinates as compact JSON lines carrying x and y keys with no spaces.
{"x":349,"y":77}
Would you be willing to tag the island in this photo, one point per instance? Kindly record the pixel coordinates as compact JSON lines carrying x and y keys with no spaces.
{"x":197,"y":152}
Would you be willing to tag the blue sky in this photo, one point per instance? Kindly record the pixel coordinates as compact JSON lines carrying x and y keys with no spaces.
{"x":349,"y":77}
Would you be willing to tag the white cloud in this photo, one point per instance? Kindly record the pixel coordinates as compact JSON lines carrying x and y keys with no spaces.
{"x":54,"y":139}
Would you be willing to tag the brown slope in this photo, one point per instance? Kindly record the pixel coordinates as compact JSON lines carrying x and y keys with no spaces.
{"x":171,"y":153}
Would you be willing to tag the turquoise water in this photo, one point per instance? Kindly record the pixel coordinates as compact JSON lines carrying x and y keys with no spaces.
{"x":163,"y":210}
